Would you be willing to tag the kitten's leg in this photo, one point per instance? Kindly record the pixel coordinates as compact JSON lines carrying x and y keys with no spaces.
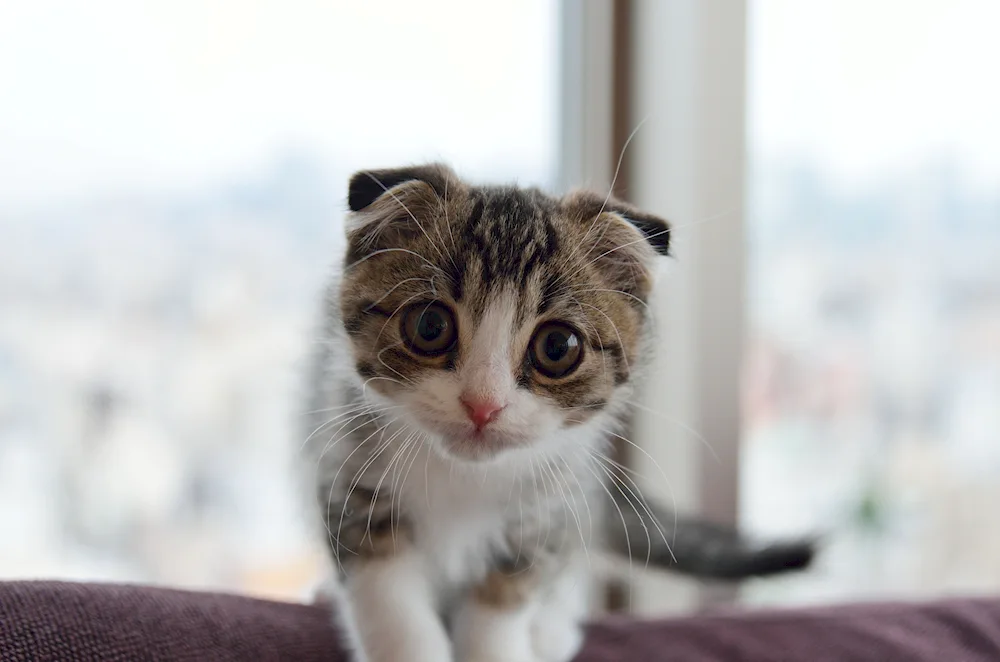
{"x":525,"y":613}
{"x":493,"y":624}
{"x":388,"y":602}
{"x":325,"y":593}
{"x":390,"y":613}
{"x":556,"y":632}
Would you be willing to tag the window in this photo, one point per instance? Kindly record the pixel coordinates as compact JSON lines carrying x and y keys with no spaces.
{"x":862,"y":241}
{"x":171,"y":184}
{"x":873,"y":385}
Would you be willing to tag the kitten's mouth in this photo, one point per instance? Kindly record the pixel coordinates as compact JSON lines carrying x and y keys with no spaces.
{"x":463,"y":441}
{"x":472,"y":444}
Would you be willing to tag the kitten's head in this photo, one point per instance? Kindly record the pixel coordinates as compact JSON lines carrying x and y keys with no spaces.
{"x":494,"y":317}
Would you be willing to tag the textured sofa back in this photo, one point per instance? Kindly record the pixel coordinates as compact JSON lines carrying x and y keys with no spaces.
{"x":65,"y":622}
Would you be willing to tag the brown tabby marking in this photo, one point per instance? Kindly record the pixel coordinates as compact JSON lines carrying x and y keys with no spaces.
{"x":506,"y":591}
{"x":435,"y":238}
{"x":370,"y":527}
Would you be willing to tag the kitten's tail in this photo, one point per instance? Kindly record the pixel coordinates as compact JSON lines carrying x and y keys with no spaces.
{"x":698,"y":548}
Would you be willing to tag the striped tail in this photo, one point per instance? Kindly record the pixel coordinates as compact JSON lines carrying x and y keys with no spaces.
{"x":698,"y":548}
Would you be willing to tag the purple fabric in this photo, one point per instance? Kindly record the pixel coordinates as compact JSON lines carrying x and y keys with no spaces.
{"x":42,"y":621}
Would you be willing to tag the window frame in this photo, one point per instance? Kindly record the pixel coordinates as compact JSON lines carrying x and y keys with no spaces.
{"x":675,"y":72}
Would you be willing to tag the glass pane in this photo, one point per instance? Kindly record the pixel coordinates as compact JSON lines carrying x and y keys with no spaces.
{"x":172,"y":179}
{"x":873,"y":393}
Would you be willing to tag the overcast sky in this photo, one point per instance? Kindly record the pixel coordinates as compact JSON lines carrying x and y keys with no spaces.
{"x":113,"y":95}
{"x":867,"y":86}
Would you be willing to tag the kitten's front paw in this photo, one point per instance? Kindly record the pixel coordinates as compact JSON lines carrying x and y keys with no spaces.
{"x":326,"y":594}
{"x":552,"y":638}
{"x":486,"y":635}
{"x":555,"y":638}
{"x":519,"y":650}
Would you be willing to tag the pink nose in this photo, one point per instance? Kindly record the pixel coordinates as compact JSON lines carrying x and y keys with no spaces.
{"x":480,"y":411}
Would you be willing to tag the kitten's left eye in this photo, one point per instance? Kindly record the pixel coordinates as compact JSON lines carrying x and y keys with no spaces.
{"x":429,"y":328}
{"x":555,"y":349}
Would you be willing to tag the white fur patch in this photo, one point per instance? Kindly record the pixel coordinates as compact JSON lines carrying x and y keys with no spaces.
{"x":390,"y":612}
{"x":544,"y":629}
{"x":488,"y":373}
{"x":460,"y":506}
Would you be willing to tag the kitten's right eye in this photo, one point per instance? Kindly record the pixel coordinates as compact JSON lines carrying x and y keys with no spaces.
{"x":429,"y":328}
{"x":555,"y":350}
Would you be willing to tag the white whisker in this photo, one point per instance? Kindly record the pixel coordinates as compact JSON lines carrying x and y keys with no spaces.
{"x":330,"y":443}
{"x":417,"y":447}
{"x":333,"y":485}
{"x":355,"y":410}
{"x":627,"y":294}
{"x":410,"y":213}
{"x":614,"y":180}
{"x":392,"y":250}
{"x":669,"y":419}
{"x":628,"y":541}
{"x":636,"y":494}
{"x":568,"y":494}
{"x":393,"y":289}
{"x":614,"y":326}
{"x":396,"y":312}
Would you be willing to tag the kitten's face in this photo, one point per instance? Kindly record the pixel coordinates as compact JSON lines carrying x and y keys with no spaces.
{"x":493,"y":317}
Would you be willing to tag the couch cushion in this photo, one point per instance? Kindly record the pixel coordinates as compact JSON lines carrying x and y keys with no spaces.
{"x":42,"y":621}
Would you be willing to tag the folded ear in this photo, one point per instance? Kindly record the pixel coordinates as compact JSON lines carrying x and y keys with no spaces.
{"x":588,"y":206}
{"x":391,"y":208}
{"x":619,"y":240}
{"x":655,"y":229}
{"x":367,"y":186}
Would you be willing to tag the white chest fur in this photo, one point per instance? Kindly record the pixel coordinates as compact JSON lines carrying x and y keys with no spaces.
{"x":460,"y":513}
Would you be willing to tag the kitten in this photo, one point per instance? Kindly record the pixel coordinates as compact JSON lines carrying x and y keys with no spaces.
{"x":479,"y":347}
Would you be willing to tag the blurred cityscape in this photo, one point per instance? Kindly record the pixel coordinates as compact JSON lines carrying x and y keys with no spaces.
{"x":149,"y":359}
{"x":150,"y":350}
{"x":873,"y":381}
{"x":172,"y":181}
